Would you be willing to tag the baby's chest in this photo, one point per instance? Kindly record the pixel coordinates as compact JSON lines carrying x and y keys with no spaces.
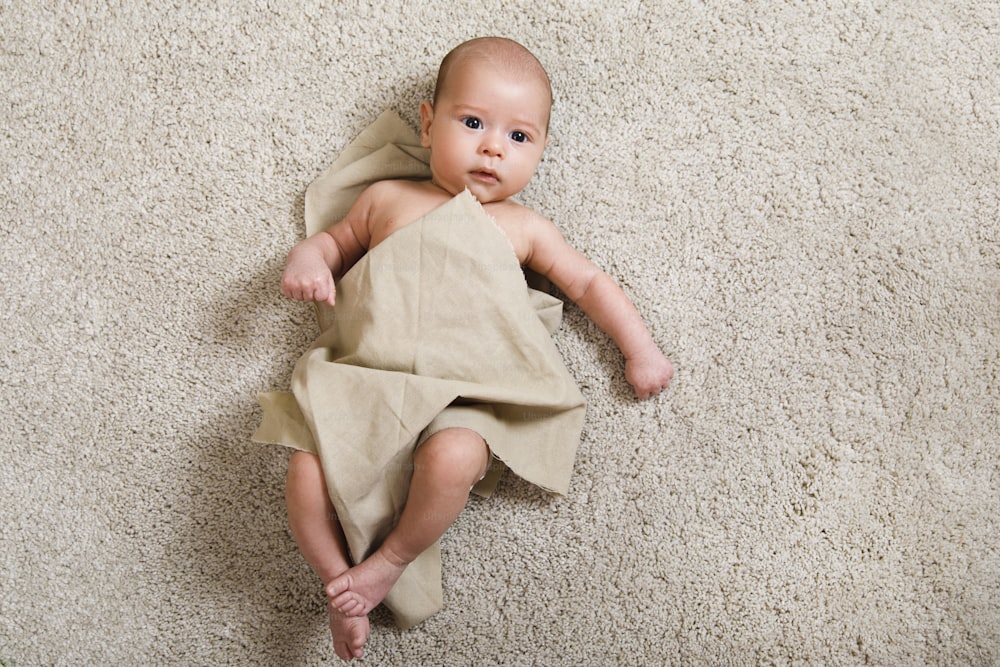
{"x":391,"y":219}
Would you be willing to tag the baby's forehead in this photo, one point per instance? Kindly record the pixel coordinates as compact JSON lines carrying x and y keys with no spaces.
{"x":466,"y":74}
{"x":505,"y":71}
{"x":499,"y":55}
{"x":483,"y":89}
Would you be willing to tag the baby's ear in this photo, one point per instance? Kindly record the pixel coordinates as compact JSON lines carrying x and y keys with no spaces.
{"x":426,"y":118}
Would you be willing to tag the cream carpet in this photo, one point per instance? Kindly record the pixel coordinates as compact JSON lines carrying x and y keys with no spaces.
{"x":800,"y":197}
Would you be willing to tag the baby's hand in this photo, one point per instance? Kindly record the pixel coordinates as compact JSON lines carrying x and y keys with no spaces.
{"x":307,"y":278}
{"x":648,"y":374}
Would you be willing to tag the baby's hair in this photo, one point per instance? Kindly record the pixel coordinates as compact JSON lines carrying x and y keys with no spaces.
{"x":498,"y":50}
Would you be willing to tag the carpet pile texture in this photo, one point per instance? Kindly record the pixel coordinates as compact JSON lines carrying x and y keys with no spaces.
{"x":801,"y":199}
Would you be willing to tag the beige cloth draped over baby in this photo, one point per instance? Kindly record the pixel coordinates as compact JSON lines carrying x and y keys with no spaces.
{"x":434,"y":327}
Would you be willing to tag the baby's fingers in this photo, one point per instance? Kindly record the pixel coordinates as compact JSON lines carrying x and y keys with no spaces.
{"x":649,"y":391}
{"x":318,"y":288}
{"x":322,"y":294}
{"x":325,"y":291}
{"x":649,"y":378}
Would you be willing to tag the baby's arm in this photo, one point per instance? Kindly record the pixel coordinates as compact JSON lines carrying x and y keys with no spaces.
{"x":646,"y":369}
{"x":313,"y":264}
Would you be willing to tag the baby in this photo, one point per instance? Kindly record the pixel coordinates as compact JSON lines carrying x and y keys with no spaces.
{"x":486,"y":129}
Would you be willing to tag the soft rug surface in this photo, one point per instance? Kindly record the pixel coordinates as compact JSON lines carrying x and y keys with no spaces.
{"x":801,"y":198}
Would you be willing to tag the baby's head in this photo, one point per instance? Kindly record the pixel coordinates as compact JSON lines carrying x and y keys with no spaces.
{"x":501,"y":53}
{"x":488,"y":123}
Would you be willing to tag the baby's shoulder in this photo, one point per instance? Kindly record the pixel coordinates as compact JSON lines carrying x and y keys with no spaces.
{"x":524,"y":227}
{"x":510,"y":213}
{"x":381,"y":192}
{"x":392,"y":205}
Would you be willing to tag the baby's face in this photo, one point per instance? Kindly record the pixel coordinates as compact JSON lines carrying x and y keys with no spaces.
{"x":486,"y":132}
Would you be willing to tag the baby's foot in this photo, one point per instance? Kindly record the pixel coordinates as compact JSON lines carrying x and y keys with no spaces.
{"x":364,"y":586}
{"x":349,"y":634}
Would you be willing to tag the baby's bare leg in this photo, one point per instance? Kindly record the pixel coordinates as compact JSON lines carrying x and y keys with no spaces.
{"x":444,"y":469}
{"x":317,"y":531}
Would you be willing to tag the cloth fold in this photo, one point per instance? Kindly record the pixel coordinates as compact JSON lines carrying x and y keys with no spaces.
{"x":434,"y":327}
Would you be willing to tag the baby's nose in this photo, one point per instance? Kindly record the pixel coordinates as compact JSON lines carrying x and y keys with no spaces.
{"x":492,"y":145}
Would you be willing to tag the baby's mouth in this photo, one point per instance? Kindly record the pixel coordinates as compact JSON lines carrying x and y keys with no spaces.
{"x":486,"y":175}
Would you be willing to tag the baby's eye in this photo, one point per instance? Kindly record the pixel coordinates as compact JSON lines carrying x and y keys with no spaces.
{"x":473,"y":123}
{"x":518,"y":136}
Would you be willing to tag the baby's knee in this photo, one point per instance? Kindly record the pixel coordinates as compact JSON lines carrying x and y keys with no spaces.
{"x":459,"y":452}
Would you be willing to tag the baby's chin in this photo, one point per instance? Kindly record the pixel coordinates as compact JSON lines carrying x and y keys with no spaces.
{"x":484,"y":194}
{"x":487,"y":195}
